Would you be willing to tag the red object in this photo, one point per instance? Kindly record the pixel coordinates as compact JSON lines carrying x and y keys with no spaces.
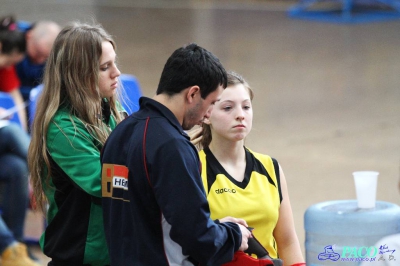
{"x":242,"y":259}
{"x":299,"y":264}
{"x":8,"y":79}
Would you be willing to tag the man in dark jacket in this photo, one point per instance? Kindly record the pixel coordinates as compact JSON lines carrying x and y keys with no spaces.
{"x":155,"y":208}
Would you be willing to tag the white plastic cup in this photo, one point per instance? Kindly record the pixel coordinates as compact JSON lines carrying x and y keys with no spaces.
{"x":366,"y":184}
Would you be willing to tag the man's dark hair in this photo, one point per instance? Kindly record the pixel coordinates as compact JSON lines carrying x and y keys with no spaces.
{"x":189,"y":66}
{"x":11,"y":38}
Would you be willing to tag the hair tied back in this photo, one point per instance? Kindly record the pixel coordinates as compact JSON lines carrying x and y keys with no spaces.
{"x":8,"y":23}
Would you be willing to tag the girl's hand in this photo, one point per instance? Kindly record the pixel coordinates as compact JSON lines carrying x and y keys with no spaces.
{"x":3,"y":111}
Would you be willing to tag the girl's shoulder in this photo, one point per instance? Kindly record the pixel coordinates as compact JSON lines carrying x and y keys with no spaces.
{"x":63,"y":122}
{"x":64,"y":118}
{"x":259,"y":156}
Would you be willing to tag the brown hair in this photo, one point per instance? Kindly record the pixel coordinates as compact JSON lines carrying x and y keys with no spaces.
{"x":11,"y":39}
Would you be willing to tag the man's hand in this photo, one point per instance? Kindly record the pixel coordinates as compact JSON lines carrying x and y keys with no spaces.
{"x":233,"y":220}
{"x":246,"y":234}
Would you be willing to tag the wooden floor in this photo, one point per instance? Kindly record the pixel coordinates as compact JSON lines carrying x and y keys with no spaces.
{"x":327,"y":96}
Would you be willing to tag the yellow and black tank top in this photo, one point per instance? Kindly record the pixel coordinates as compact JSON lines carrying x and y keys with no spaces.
{"x":256,"y":199}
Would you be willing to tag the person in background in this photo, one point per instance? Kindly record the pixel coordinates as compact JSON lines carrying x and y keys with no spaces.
{"x":155,"y":210}
{"x":12,"y":252}
{"x":76,"y":112}
{"x":242,"y":183}
{"x":39,"y":37}
{"x":14,"y":195}
{"x":12,"y":51}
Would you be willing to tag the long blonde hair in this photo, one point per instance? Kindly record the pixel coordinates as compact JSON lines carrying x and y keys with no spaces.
{"x":71,"y":79}
{"x":233,"y":79}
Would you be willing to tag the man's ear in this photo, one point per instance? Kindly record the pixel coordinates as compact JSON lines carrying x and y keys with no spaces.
{"x":193,"y":92}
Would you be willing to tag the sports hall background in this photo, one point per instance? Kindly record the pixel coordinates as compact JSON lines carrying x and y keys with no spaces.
{"x":327,"y":96}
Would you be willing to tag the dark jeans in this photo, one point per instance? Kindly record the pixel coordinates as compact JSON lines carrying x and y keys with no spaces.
{"x":6,"y":237}
{"x":14,"y":193}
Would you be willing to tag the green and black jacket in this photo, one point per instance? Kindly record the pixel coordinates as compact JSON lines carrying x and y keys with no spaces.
{"x":75,"y":233}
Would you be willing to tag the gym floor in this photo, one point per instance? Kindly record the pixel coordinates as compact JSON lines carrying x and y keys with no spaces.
{"x":327,"y":97}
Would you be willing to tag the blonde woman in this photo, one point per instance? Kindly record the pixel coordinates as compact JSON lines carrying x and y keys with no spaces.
{"x":75,"y":114}
{"x":242,"y":183}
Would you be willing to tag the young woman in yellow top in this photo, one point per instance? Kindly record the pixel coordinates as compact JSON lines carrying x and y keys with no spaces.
{"x":242,"y":183}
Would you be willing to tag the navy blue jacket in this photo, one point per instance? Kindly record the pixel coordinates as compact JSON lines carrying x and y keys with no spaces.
{"x":30,"y":76}
{"x":154,"y":204}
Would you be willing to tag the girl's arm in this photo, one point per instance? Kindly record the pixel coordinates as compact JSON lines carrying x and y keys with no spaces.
{"x":18,"y":100}
{"x":285,"y":234}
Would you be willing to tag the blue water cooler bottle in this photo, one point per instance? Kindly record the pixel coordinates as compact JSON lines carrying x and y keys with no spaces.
{"x":341,"y":234}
